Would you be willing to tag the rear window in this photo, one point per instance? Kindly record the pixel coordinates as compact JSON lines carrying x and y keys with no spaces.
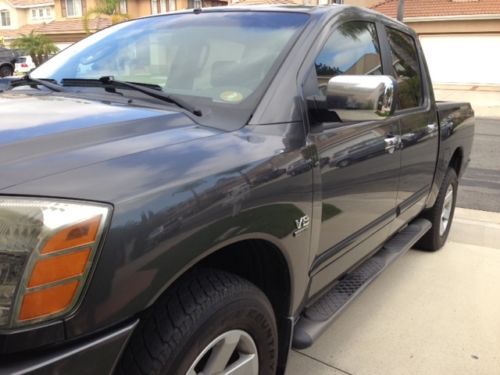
{"x":406,"y":68}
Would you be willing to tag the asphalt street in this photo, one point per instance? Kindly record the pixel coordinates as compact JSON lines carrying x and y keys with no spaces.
{"x":480,"y":186}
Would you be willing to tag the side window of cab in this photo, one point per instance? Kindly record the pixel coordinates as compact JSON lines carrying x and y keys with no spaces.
{"x":351,"y":49}
{"x":406,"y":69}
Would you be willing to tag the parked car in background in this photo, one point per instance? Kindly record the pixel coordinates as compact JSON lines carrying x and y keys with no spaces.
{"x":24,"y":64}
{"x":7,"y":62}
{"x":197,"y":192}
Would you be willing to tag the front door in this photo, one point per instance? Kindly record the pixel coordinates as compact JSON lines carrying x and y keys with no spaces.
{"x":358,"y":173}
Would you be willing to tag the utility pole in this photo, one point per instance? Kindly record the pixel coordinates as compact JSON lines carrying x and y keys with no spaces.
{"x":401,"y":10}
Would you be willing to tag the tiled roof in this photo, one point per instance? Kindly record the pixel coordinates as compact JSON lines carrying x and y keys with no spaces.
{"x":440,"y":8}
{"x":29,"y":3}
{"x":71,"y":26}
{"x":268,"y":2}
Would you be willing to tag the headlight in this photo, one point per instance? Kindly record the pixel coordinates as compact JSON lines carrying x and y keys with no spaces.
{"x":46,"y":252}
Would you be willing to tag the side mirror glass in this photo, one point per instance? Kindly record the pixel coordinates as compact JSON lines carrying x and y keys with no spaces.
{"x":361,"y":98}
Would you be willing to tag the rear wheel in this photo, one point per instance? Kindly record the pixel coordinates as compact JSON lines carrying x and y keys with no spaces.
{"x":212,"y":322}
{"x":441,"y":214}
{"x":6,"y":70}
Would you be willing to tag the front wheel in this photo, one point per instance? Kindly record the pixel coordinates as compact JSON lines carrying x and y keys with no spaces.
{"x":211,"y":322}
{"x":441,"y":214}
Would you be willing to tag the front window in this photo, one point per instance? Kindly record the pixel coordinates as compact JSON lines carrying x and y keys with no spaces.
{"x":218,"y":61}
{"x":352,"y":49}
{"x":4,"y":18}
{"x":73,"y":8}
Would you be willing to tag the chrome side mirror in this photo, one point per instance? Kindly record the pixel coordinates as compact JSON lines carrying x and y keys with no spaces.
{"x":361,"y":98}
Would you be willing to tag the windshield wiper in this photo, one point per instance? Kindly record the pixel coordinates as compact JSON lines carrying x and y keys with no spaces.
{"x":27,"y":80}
{"x":154,"y":91}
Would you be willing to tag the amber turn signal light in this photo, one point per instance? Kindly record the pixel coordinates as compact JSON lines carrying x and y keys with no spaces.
{"x":47,"y":301}
{"x":60,"y":267}
{"x":76,"y":235}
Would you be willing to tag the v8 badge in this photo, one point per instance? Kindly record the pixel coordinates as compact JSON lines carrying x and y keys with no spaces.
{"x":301,"y":224}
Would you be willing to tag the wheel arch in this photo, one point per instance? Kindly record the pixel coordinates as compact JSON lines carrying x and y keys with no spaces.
{"x":264,"y":263}
{"x":9,"y":65}
{"x":456,"y":160}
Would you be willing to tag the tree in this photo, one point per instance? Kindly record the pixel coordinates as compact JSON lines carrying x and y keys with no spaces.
{"x":38,"y":46}
{"x":107,"y":8}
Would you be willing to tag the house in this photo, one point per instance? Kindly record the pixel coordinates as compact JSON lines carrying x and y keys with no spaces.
{"x":62,"y":20}
{"x":460,"y":38}
{"x":288,"y":2}
{"x":16,"y":13}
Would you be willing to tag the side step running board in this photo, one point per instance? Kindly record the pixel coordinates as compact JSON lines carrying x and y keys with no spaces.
{"x":317,"y":318}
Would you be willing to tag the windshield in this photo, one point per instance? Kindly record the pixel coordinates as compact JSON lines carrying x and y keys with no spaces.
{"x":219,"y":62}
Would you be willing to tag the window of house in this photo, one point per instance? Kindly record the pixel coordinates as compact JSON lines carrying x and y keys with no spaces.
{"x":196,"y":4}
{"x":154,"y":6}
{"x":406,"y":69}
{"x":123,"y":7}
{"x":163,"y":6}
{"x":73,"y":8}
{"x":352,"y":48}
{"x":38,"y":14}
{"x":4,"y":18}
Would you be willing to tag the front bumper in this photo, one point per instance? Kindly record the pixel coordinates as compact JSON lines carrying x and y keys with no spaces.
{"x":97,"y":356}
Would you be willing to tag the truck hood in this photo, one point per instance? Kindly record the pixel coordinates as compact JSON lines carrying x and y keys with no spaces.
{"x":41,"y":135}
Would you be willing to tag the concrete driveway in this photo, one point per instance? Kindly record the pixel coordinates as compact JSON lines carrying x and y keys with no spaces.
{"x":428,"y":313}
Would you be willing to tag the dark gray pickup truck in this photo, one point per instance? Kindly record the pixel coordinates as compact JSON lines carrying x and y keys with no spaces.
{"x":195,"y":193}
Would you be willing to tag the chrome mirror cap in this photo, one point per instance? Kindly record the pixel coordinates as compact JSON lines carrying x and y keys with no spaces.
{"x":361,"y":97}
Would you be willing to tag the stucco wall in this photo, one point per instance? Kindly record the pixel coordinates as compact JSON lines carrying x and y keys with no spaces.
{"x":362,"y":3}
{"x":456,"y":27}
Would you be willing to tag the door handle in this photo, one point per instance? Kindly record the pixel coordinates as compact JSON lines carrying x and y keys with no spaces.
{"x":432,"y":128}
{"x":391,"y":143}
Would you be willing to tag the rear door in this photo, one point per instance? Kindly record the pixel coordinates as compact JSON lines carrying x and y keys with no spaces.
{"x":418,"y":121}
{"x":357,"y":173}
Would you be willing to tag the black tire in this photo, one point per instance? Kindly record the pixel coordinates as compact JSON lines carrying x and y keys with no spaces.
{"x":191,"y":314}
{"x":6,"y":70}
{"x":434,"y":239}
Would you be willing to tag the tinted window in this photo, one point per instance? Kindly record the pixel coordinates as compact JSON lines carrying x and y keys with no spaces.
{"x":352,"y":48}
{"x":406,"y":68}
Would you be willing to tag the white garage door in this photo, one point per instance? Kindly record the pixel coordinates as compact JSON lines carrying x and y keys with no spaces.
{"x":467,"y":59}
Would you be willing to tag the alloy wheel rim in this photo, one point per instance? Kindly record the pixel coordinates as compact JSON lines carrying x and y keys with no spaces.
{"x":446,"y":211}
{"x":231,"y":353}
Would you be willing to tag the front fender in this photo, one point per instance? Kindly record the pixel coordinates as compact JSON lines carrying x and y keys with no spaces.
{"x":175,"y":206}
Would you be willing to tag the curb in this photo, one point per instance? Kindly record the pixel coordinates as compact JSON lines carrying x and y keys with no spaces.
{"x":476,"y":227}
